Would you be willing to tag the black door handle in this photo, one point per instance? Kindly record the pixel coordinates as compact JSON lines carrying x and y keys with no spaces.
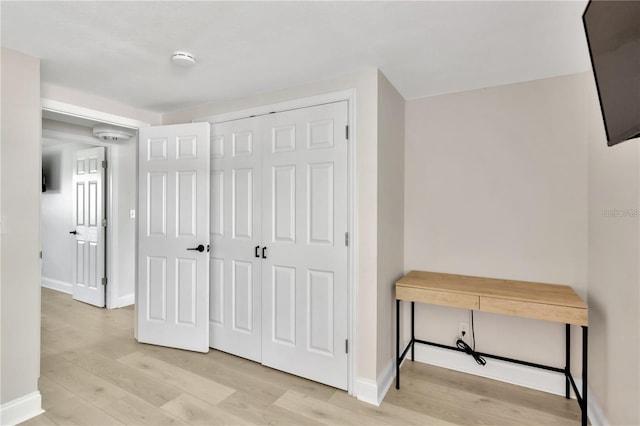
{"x":200,"y":248}
{"x":256,"y":251}
{"x":74,"y":232}
{"x":264,"y":252}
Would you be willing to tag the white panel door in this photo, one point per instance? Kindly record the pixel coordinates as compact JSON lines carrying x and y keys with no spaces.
{"x":173,"y":236}
{"x":235,"y":304}
{"x":89,"y":209}
{"x":304,"y":275}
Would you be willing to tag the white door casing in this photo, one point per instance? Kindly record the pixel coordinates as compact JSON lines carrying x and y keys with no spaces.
{"x":173,"y":282}
{"x":304,"y":226}
{"x":235,"y":315}
{"x":88,"y":216}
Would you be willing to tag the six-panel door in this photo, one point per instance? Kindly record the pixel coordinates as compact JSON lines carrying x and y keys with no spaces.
{"x":173,"y":236}
{"x":304,"y":222}
{"x":235,"y":295}
{"x":88,"y":204}
{"x":278,"y":223}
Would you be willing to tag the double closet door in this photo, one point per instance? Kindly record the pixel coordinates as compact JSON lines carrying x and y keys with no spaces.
{"x":278,"y":224}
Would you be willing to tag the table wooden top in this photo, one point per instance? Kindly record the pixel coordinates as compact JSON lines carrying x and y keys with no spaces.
{"x":551,"y":302}
{"x":550,"y":294}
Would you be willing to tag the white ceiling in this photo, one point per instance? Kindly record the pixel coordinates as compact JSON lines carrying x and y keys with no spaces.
{"x":121,"y":50}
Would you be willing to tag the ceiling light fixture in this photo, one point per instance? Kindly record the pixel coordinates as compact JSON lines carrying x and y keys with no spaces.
{"x":183,"y":59}
{"x":112,"y":134}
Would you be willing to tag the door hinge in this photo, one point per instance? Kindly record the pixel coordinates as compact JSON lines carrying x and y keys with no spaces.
{"x":346,"y":128}
{"x":104,"y":164}
{"x":104,"y":222}
{"x":346,"y":346}
{"x":346,"y":239}
{"x":104,"y":280}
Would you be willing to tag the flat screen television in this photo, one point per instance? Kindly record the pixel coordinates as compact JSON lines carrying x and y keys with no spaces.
{"x":613,"y":36}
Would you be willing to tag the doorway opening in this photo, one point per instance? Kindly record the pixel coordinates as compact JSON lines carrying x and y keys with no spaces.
{"x":88,"y":227}
{"x":72,"y":209}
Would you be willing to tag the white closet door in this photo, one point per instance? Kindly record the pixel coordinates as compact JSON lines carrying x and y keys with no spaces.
{"x":304,"y":277}
{"x":235,"y":304}
{"x":173,"y":263}
{"x":88,"y":199}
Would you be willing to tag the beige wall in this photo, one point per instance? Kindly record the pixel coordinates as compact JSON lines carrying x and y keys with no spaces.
{"x":514,"y":181}
{"x":614,"y":270}
{"x":496,"y":185}
{"x":366,"y":193}
{"x":390,"y":215}
{"x":20,"y":226}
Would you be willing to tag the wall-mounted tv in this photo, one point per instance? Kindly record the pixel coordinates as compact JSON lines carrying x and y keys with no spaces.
{"x":613,"y":36}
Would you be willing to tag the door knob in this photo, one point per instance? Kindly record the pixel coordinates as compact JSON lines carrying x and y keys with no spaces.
{"x":74,"y":232}
{"x":200,"y":248}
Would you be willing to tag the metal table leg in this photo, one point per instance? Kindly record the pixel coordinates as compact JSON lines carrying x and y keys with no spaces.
{"x":567,"y":365}
{"x":397,"y":344}
{"x":413,"y":330}
{"x":585,"y":332}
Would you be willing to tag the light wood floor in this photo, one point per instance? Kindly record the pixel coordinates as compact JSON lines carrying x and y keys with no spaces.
{"x":94,"y":373}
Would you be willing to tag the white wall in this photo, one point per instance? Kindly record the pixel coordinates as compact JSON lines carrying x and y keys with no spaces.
{"x":124,"y":178}
{"x":496,"y":186}
{"x":97,"y":103}
{"x":614,"y":270}
{"x":20,"y":188}
{"x":57,"y":216}
{"x":391,"y":166}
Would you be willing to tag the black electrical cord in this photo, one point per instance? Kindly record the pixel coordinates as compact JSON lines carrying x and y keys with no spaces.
{"x":461,"y":344}
{"x":473,"y":331}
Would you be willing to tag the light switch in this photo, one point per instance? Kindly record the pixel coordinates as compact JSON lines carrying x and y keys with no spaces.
{"x":132,"y":214}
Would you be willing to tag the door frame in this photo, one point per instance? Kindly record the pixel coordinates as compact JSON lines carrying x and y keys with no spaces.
{"x":350,"y":97}
{"x":88,"y":117}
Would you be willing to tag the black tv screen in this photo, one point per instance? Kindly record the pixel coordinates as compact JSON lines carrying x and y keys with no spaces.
{"x":613,"y":36}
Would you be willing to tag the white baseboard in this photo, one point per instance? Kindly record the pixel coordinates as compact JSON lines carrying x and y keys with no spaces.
{"x":385,"y":380}
{"x":57,"y":285}
{"x":125,"y":300}
{"x":373,"y":392}
{"x":367,"y":391}
{"x":594,"y":410}
{"x":521,"y":375}
{"x":21,"y":409}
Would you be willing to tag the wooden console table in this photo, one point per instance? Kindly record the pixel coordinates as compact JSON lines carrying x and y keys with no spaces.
{"x":549,"y":302}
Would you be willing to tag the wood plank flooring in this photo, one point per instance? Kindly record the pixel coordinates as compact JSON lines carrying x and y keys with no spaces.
{"x":93,"y":372}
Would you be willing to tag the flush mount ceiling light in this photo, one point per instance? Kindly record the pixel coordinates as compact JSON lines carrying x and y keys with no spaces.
{"x":183,"y":59}
{"x":112,"y":134}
